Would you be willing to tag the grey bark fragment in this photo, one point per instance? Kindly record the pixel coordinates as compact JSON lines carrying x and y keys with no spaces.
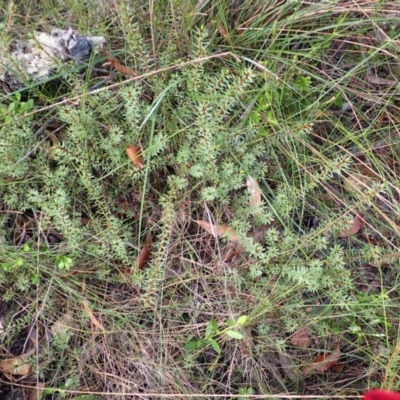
{"x":36,"y":59}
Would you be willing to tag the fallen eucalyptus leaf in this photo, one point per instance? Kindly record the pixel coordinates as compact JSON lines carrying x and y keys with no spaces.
{"x":301,"y":338}
{"x":323,"y":363}
{"x":135,"y":155}
{"x":218,"y":230}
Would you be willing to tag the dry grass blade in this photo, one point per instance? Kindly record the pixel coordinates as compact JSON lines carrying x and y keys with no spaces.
{"x":223,"y":32}
{"x":91,"y":316}
{"x":358,"y":183}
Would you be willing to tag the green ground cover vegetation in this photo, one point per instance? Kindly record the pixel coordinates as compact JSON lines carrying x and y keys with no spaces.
{"x":247,"y":244}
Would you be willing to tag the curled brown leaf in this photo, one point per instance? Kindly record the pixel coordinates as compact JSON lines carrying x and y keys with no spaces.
{"x":323,"y":363}
{"x":122,"y":69}
{"x":135,"y":155}
{"x":218,"y":230}
{"x":145,"y":253}
{"x":92,"y":317}
{"x":355,"y":226}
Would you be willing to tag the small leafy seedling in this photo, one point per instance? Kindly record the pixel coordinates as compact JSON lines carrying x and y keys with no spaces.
{"x":64,"y":262}
{"x":15,"y":108}
{"x":245,"y":392}
{"x":213,"y":334}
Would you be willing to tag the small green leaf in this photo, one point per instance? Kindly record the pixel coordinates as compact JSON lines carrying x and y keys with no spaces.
{"x":209,"y":329}
{"x":214,"y":324}
{"x":234,"y":334}
{"x":19,"y":262}
{"x":35,"y":279}
{"x":64,"y":262}
{"x":230,"y":322}
{"x":192,"y":345}
{"x":242,"y":320}
{"x":215,"y":345}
